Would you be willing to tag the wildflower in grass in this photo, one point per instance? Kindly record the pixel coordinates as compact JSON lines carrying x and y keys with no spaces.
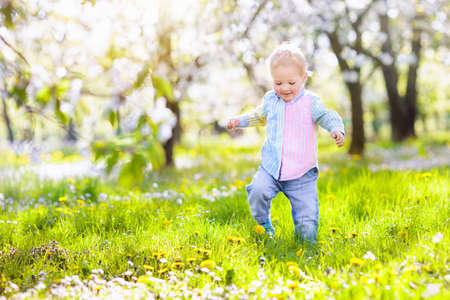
{"x":353,"y":234}
{"x":292,"y":284}
{"x":378,"y":267}
{"x":209,"y":264}
{"x":369,"y":255}
{"x":98,"y":287}
{"x":166,"y":223}
{"x":158,"y":255}
{"x":331,"y":197}
{"x":177,"y":259}
{"x":437,"y":238}
{"x":333,"y":229}
{"x":291,"y":263}
{"x":239,"y":240}
{"x":70,"y":180}
{"x":177,"y":265}
{"x":356,"y":261}
{"x":259,"y":229}
{"x":403,"y":234}
{"x":426,"y":268}
{"x":356,"y":156}
{"x":62,"y":199}
{"x":148,"y":268}
{"x":299,"y":252}
{"x":196,"y":232}
{"x":230,"y":238}
{"x":206,"y":252}
{"x":81,"y":202}
{"x":191,"y":260}
{"x":163,"y":271}
{"x":295,"y":270}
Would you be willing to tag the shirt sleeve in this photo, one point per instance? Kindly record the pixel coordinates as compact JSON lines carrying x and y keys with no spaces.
{"x":255,"y":117}
{"x":328,"y":119}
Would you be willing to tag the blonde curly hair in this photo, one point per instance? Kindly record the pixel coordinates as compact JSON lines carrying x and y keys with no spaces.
{"x":287,"y":54}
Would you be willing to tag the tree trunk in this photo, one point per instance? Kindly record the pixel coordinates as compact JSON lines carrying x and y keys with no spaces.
{"x":71,"y":132}
{"x":176,"y":132}
{"x":358,"y":136}
{"x":7,"y":120}
{"x":403,"y":110}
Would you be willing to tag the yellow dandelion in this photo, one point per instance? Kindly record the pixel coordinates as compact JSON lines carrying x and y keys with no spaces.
{"x":230,"y":239}
{"x":98,"y":287}
{"x":177,"y":259}
{"x":333,"y":229}
{"x":403,"y":234}
{"x":91,"y":208}
{"x":166,"y":223}
{"x":198,"y":250}
{"x":354,"y":234}
{"x":356,"y":261}
{"x":210,"y":264}
{"x":292,"y":263}
{"x":143,"y":279}
{"x":70,"y":180}
{"x":259,"y":229}
{"x":62,"y":199}
{"x":86,"y":181}
{"x":196,"y":233}
{"x":295,"y":270}
{"x":178,"y":265}
{"x":378,"y":267}
{"x":206,"y":252}
{"x":60,"y":209}
{"x":426,"y":268}
{"x":191,"y":260}
{"x":239,"y":240}
{"x":292,"y":284}
{"x":162,"y":271}
{"x":331,"y":197}
{"x":81,"y":202}
{"x":148,"y":268}
{"x":299,"y":252}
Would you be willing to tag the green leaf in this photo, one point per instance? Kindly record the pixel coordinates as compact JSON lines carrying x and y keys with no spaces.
{"x":61,"y":88}
{"x":133,"y":171}
{"x":112,"y":117}
{"x":111,"y":161}
{"x":44,"y":95}
{"x":141,"y":77}
{"x":162,"y":87}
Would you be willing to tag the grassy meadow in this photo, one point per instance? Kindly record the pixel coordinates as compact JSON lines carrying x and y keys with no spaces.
{"x":188,"y":233}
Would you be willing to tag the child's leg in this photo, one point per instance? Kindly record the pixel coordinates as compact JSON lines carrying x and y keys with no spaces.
{"x":302,"y":193}
{"x":261,"y":191}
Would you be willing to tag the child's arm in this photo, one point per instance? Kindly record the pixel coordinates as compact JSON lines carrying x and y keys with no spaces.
{"x":256,"y":117}
{"x":328,"y":119}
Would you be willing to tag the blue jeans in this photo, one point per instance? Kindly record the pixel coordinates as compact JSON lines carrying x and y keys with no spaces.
{"x":301,"y":192}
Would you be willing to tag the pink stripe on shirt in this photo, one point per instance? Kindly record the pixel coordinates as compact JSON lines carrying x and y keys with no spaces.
{"x":299,"y":145}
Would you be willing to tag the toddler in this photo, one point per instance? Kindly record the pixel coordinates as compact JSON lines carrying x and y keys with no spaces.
{"x":289,"y":154}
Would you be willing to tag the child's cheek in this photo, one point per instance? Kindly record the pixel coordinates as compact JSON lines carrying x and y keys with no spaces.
{"x":277,"y":89}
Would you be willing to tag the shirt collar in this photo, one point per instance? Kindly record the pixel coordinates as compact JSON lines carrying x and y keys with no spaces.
{"x":302,"y":92}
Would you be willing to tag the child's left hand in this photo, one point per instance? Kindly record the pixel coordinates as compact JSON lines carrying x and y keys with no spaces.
{"x":339,"y":137}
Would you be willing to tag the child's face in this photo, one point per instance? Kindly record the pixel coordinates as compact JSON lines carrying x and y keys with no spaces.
{"x":287,"y":81}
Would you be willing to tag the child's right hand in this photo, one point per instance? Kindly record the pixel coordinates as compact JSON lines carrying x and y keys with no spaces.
{"x":233,"y":123}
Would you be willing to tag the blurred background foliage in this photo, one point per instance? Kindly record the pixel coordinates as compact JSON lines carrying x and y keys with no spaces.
{"x":125,"y":81}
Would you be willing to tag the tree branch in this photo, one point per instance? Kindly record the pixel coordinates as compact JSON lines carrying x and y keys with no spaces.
{"x":13,"y":49}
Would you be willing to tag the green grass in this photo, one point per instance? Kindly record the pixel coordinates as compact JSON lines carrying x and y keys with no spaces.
{"x":193,"y":213}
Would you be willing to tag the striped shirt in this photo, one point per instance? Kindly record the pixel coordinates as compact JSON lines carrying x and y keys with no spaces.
{"x":290,"y":147}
